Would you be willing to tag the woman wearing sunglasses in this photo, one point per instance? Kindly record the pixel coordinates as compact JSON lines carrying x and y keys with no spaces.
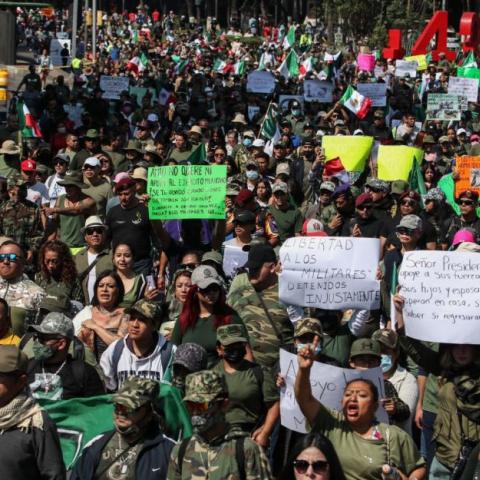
{"x":314,"y":458}
{"x":204,"y":310}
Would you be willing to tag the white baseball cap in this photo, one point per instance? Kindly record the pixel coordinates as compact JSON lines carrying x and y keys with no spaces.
{"x":258,"y":143}
{"x":92,"y":161}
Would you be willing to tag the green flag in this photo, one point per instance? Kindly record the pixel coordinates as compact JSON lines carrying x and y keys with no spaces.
{"x":198,"y":155}
{"x":466,"y":72}
{"x":394,"y":280}
{"x":290,"y":67}
{"x":415,"y":178}
{"x":470,"y":61}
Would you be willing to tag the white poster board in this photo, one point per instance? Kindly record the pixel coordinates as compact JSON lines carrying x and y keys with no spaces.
{"x":402,"y":68}
{"x":328,"y":383}
{"x":466,"y":87}
{"x":320,"y":91}
{"x":233,"y":259}
{"x":330,"y":272}
{"x":377,"y":92}
{"x":260,"y":82}
{"x":56,"y":47}
{"x":113,"y":86}
{"x":442,"y":296}
{"x":442,"y":106}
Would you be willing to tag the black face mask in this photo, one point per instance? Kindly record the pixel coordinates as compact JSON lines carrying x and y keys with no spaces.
{"x":234,"y":353}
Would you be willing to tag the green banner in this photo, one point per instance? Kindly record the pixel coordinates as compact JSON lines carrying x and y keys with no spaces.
{"x":183,"y":192}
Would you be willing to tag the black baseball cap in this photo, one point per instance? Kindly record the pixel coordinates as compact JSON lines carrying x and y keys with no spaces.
{"x":258,"y":255}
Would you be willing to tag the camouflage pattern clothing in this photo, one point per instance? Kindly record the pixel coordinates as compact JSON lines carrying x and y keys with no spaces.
{"x":136,"y":392}
{"x":217,"y":460}
{"x":21,"y":222}
{"x":265,"y":318}
{"x":56,"y":323}
{"x":242,"y":157}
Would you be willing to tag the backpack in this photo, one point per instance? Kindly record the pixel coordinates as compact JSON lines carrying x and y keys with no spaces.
{"x":165,"y":354}
{"x":239,"y":455}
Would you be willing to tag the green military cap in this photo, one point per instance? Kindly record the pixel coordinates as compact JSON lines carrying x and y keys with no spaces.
{"x":56,"y":323}
{"x":213,"y":256}
{"x":307,"y":325}
{"x":134,"y":145}
{"x":399,"y":186}
{"x":205,"y":386}
{"x":365,"y":346}
{"x":228,"y":334}
{"x":136,"y":392}
{"x":145,"y":308}
{"x":92,"y":133}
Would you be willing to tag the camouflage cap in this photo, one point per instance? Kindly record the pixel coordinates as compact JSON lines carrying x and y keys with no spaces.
{"x":365,"y":346}
{"x":136,"y":392}
{"x":378,"y":184}
{"x":204,"y":386}
{"x":386,"y":337}
{"x":15,"y":181}
{"x":191,"y":356}
{"x":56,"y":323}
{"x":204,"y":276}
{"x":144,"y":307}
{"x":307,"y":325}
{"x":229,"y":334}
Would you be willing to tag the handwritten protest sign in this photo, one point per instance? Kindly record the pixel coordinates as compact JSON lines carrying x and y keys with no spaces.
{"x":328,"y":383}
{"x":260,"y":82}
{"x":233,"y":258}
{"x":395,"y":162}
{"x":318,"y":91}
{"x":468,"y":169}
{"x":113,"y":86}
{"x":442,"y":296}
{"x":187,"y":192}
{"x":377,"y":92}
{"x":402,"y":68}
{"x":467,"y":87}
{"x":353,"y":150}
{"x":421,"y":60}
{"x":366,"y":62}
{"x":442,"y":106}
{"x":330,"y":272}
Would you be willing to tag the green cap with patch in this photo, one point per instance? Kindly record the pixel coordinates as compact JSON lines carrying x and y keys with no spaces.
{"x":365,"y":346}
{"x":136,"y":392}
{"x":307,"y":325}
{"x":205,"y":386}
{"x":229,"y":334}
{"x":56,"y":323}
{"x":144,"y":307}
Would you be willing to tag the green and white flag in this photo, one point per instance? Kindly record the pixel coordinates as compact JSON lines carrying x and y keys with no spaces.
{"x":290,"y":67}
{"x":289,"y":40}
{"x":470,"y":61}
{"x":270,"y":130}
{"x":198,"y":156}
{"x":239,"y":68}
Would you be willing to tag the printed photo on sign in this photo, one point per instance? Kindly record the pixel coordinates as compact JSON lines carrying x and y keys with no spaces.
{"x":320,"y":91}
{"x":441,"y":106}
{"x":468,"y":171}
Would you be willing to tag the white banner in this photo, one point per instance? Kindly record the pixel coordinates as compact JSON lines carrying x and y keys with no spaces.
{"x":377,"y":92}
{"x":442,"y":296}
{"x":113,"y":86}
{"x":402,"y":67}
{"x":318,"y":91}
{"x":328,"y":383}
{"x":56,"y":46}
{"x":260,"y":82}
{"x":233,"y":259}
{"x":466,"y":87}
{"x":330,"y":272}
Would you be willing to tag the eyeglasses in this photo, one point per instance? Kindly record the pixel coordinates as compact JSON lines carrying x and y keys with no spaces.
{"x":188,"y":266}
{"x":124,"y":411}
{"x":466,"y":202}
{"x":91,"y":231}
{"x":405,"y":231}
{"x":319,"y":466}
{"x":409,"y":203}
{"x":61,"y":163}
{"x":11,"y":257}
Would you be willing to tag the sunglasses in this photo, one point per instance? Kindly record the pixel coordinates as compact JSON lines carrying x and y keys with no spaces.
{"x":319,"y":466}
{"x":466,"y":202}
{"x":91,"y":231}
{"x":410,"y":203}
{"x":188,"y":266}
{"x":405,"y":231}
{"x":364,"y":207}
{"x":211,"y":288}
{"x":11,"y":257}
{"x":61,"y":163}
{"x":124,"y":411}
{"x":88,"y":167}
{"x":42,"y":339}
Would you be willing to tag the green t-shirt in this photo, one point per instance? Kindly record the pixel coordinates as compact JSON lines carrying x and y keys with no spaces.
{"x":288,"y":222}
{"x":338,"y":346}
{"x":204,"y":333}
{"x":362,"y":458}
{"x":245,"y":395}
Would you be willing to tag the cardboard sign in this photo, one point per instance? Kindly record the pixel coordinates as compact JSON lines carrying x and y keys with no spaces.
{"x":395,"y":162}
{"x":467,"y":87}
{"x":113,"y":86}
{"x":366,"y":62}
{"x":260,"y":82}
{"x":184,"y":192}
{"x":328,"y":383}
{"x":377,"y":92}
{"x":469,"y":170}
{"x":442,"y":106}
{"x":320,"y":91}
{"x":330,"y":272}
{"x":442,"y":296}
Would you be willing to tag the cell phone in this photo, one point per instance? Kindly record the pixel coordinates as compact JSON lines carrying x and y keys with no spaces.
{"x":150,"y":282}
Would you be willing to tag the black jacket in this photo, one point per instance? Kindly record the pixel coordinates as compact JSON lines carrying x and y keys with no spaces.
{"x":152,"y":460}
{"x":33,"y":455}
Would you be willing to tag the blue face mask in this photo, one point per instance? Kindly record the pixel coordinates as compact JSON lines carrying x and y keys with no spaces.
{"x":251,"y":174}
{"x":247,"y":142}
{"x":317,"y":350}
{"x":386,"y":363}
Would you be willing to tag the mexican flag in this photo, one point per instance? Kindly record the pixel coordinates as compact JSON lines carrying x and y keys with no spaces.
{"x":356,"y":103}
{"x":290,"y":66}
{"x":220,"y":66}
{"x":198,"y":156}
{"x":27,"y":124}
{"x":137,"y":64}
{"x":306,"y":66}
{"x":269,"y":129}
{"x":239,"y":68}
{"x":289,"y":39}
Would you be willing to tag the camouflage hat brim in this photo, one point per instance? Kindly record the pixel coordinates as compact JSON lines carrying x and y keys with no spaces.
{"x":130,"y":401}
{"x":232,"y":340}
{"x":200,"y":397}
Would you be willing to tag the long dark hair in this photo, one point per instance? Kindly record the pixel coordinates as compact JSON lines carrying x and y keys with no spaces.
{"x":191,"y":310}
{"x":68,"y":271}
{"x":118,"y":282}
{"x":324,"y":445}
